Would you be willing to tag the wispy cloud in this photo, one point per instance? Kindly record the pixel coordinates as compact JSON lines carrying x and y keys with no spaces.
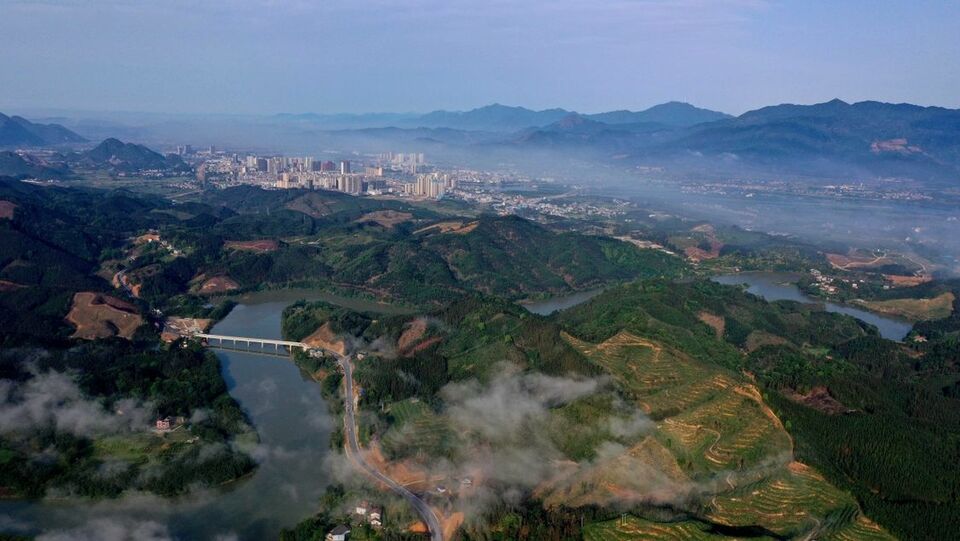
{"x":54,"y":399}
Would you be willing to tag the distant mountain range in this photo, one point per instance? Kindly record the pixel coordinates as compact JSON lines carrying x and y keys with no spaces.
{"x":505,"y":118}
{"x":18,"y":131}
{"x":112,"y":155}
{"x":673,"y":113}
{"x":828,"y":140}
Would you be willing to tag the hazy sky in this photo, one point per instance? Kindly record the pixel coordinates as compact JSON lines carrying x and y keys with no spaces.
{"x":268,"y":56}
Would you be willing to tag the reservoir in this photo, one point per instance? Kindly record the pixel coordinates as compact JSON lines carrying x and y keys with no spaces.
{"x":292,"y":420}
{"x":777,"y":286}
{"x":546,"y":307}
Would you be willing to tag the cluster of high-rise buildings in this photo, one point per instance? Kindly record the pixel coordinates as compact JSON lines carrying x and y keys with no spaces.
{"x":289,"y":164}
{"x":286,"y":172}
{"x":396,"y":173}
{"x":431,"y":184}
{"x":409,"y":162}
{"x":353,"y":183}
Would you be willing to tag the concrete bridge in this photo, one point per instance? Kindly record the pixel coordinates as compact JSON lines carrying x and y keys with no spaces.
{"x":262,"y":342}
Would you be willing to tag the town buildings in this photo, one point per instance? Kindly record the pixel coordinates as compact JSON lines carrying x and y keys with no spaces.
{"x":340,"y":533}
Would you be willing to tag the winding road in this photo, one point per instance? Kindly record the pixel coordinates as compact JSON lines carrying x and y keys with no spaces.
{"x":429,"y":517}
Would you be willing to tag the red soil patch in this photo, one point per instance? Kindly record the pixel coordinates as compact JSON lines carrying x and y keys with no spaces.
{"x":699,"y":254}
{"x":899,"y":145}
{"x":695,"y":253}
{"x":6,"y":285}
{"x":411,"y":342}
{"x":124,"y":281}
{"x":819,"y":398}
{"x":133,"y":280}
{"x":906,"y":281}
{"x":218,"y":284}
{"x":325,"y":338}
{"x":713,"y":320}
{"x":266,"y":245}
{"x":450,"y":523}
{"x":100,"y":316}
{"x":405,"y":472}
{"x":175,"y":327}
{"x":147,"y":238}
{"x":6,"y":209}
{"x":449,"y":227}
{"x":419,"y":527}
{"x":421,"y":346}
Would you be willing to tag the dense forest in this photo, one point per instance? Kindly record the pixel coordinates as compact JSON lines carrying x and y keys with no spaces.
{"x":877,"y":418}
{"x":335,"y":241}
{"x":118,"y":380}
{"x":110,"y":391}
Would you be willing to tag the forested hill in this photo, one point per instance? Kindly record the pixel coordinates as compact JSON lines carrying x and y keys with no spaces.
{"x":382,"y":248}
{"x":873,"y":415}
{"x":17,"y":131}
{"x":25,"y":166}
{"x":128,"y":157}
{"x":462,"y":381}
{"x":69,"y":339}
{"x":61,"y":240}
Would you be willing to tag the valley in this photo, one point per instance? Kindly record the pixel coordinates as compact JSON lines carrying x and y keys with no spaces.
{"x":647,"y":392}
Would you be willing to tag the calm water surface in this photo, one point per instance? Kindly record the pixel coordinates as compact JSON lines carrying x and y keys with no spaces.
{"x":294,"y":426}
{"x":776,"y":286}
{"x":555,"y":304}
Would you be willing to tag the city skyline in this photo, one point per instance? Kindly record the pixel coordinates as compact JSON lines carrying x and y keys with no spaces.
{"x":265,"y":57}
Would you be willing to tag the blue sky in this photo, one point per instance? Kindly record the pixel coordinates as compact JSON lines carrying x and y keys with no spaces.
{"x":268,"y":56}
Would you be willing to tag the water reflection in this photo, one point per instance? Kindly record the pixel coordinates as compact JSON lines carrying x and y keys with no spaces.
{"x":294,"y":425}
{"x":776,"y":286}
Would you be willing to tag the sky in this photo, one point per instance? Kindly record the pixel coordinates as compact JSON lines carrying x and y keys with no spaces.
{"x":330,"y":56}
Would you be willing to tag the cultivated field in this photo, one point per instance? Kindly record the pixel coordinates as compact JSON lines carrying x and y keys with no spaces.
{"x":634,"y":528}
{"x":937,"y":307}
{"x":449,"y":227}
{"x":218,"y":284}
{"x":416,"y":431}
{"x":386,"y":218}
{"x":260,"y":246}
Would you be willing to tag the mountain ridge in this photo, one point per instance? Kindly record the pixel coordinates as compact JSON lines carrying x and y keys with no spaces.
{"x":18,"y":131}
{"x":116,"y":154}
{"x":497,"y":117}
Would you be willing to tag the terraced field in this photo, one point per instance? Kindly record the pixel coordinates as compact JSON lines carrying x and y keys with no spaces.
{"x":850,"y":525}
{"x":634,"y":528}
{"x":727,"y":447}
{"x":789,"y":500}
{"x":407,"y":410}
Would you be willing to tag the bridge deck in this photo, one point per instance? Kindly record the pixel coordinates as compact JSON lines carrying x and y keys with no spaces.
{"x":250,"y":340}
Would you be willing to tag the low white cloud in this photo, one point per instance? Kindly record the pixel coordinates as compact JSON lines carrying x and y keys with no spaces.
{"x":112,"y":529}
{"x":53,"y":398}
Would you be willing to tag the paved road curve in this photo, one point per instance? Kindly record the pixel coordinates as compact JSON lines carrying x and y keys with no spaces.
{"x":429,"y":517}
